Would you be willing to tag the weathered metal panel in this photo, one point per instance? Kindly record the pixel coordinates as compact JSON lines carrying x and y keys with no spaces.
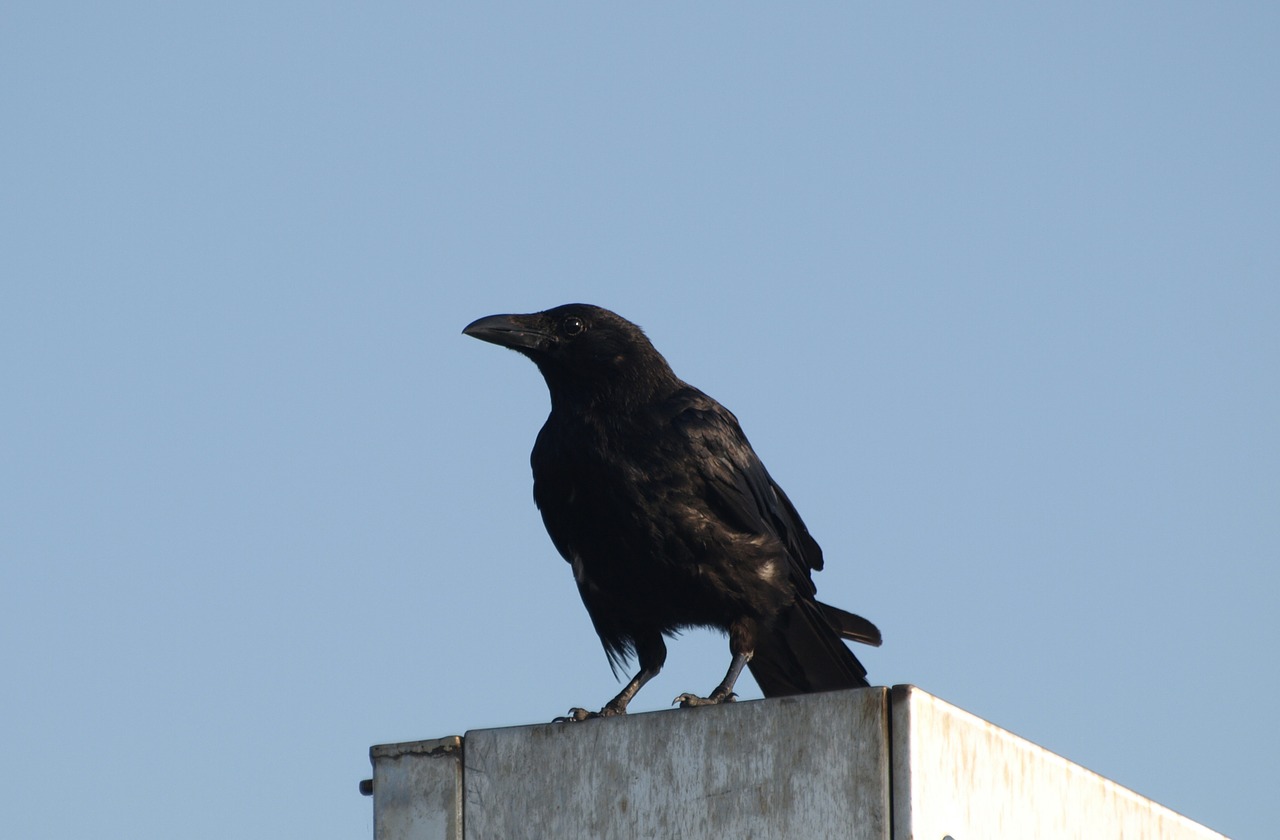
{"x":805,"y":767}
{"x":417,"y":790}
{"x":956,"y":775}
{"x":818,"y":766}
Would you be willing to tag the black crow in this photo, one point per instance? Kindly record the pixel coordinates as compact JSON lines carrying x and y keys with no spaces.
{"x":651,"y":492}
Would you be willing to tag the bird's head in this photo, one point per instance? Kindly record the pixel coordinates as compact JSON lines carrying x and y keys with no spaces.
{"x":583,"y":351}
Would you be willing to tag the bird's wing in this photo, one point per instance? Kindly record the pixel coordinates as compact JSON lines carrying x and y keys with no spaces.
{"x":738,"y":487}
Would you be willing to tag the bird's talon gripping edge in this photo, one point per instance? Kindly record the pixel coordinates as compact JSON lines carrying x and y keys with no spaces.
{"x":689,"y":701}
{"x":574,"y":715}
{"x":577,"y":715}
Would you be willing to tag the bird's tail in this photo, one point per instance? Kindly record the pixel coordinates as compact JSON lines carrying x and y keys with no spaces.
{"x":802,"y":651}
{"x":855,"y":628}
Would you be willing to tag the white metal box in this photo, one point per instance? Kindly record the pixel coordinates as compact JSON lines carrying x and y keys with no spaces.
{"x":868,"y":764}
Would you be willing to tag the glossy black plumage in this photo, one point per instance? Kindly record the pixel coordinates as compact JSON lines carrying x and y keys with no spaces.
{"x":651,"y":492}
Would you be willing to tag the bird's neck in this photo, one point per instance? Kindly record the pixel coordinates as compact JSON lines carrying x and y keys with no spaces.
{"x":625,"y":392}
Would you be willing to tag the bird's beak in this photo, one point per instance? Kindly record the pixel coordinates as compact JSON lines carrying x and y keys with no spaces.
{"x":514,"y":331}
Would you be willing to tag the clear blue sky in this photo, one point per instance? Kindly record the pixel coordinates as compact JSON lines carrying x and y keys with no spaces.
{"x":994,"y":290}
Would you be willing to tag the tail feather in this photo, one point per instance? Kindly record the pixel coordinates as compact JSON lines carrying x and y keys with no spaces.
{"x":850,"y":626}
{"x":802,"y":651}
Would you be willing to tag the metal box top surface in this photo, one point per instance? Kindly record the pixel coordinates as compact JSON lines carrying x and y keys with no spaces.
{"x":862,"y":764}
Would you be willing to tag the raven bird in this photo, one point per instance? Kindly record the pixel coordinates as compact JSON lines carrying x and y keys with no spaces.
{"x":651,"y":492}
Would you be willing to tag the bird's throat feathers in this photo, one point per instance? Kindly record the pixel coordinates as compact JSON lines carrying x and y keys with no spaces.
{"x":621,"y":383}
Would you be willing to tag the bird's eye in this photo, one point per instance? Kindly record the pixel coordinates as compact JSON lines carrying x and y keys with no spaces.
{"x":572,"y":326}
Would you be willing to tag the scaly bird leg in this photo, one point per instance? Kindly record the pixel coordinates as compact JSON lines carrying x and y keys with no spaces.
{"x":616,"y":706}
{"x":723,"y":693}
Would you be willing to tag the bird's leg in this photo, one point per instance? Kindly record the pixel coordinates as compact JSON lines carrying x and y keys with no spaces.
{"x":652,"y":654}
{"x":742,"y":637}
{"x":616,"y":706}
{"x":723,"y":693}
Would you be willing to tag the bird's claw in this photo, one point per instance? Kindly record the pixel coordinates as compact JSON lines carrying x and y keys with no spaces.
{"x":689,"y":701}
{"x":576,"y":715}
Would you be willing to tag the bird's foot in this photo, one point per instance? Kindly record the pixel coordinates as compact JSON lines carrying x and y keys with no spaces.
{"x":575,"y":714}
{"x":689,"y":701}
